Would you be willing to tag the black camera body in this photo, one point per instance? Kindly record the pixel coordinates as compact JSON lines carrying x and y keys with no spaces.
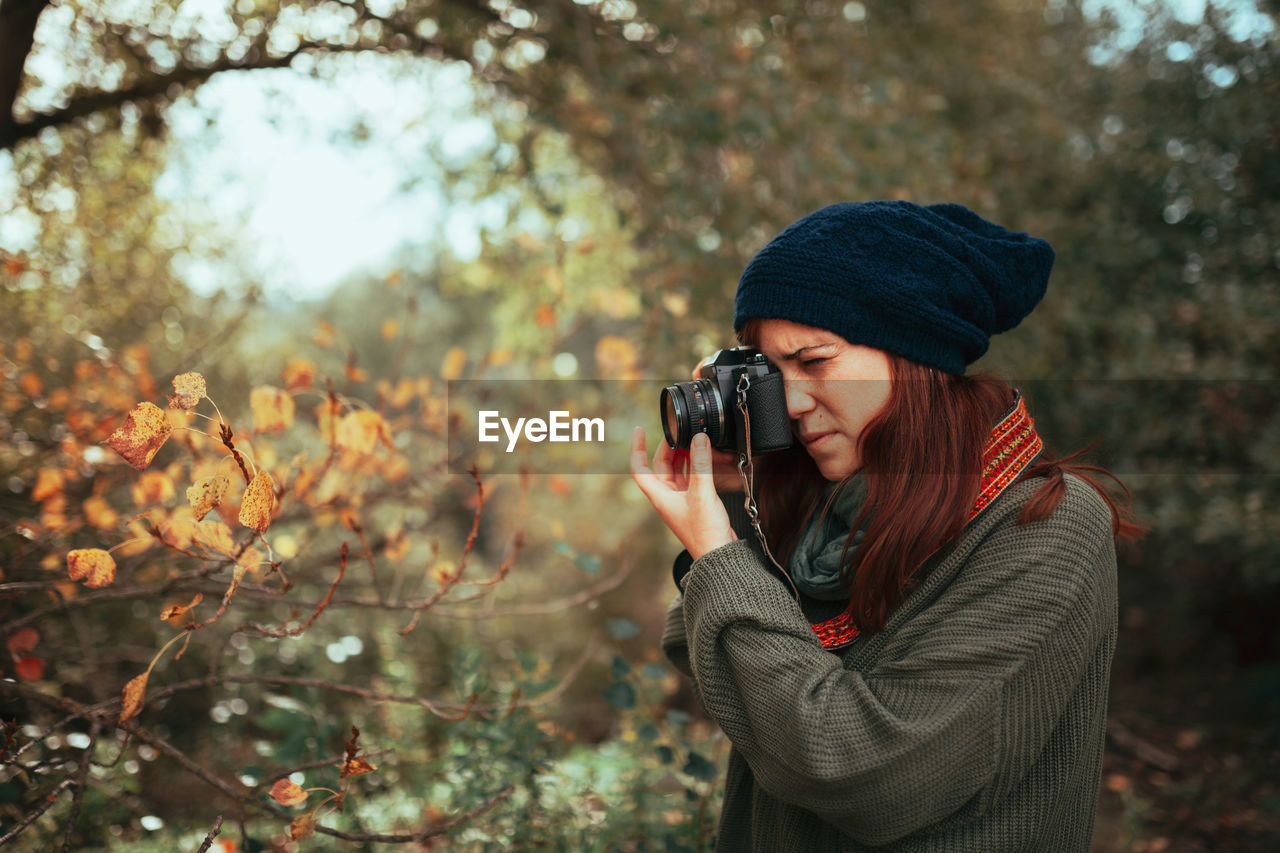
{"x":710,"y":404}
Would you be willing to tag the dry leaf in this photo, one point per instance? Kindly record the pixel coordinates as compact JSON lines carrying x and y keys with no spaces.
{"x":356,"y":766}
{"x":454,"y":360}
{"x":298,"y":374}
{"x":390,"y":328}
{"x":214,"y":536}
{"x":302,"y":826}
{"x":23,"y":641}
{"x":99,"y":514}
{"x":94,"y":565}
{"x":355,"y":374}
{"x":258,"y":501}
{"x":272,"y":409}
{"x":191,"y":390}
{"x":176,"y":611}
{"x":286,"y":793}
{"x":143,"y":433}
{"x":207,"y":494}
{"x":131,"y":697}
{"x":48,"y":483}
{"x":615,"y":356}
{"x":545,"y":316}
{"x":360,"y":431}
{"x":152,"y":487}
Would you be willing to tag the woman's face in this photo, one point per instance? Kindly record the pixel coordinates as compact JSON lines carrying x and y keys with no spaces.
{"x":834,"y":388}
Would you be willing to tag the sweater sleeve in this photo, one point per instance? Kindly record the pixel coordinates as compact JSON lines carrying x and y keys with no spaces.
{"x":891,"y":751}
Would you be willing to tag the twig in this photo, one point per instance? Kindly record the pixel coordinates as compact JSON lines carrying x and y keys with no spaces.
{"x":45,"y":802}
{"x":1144,"y":750}
{"x":81,"y":779}
{"x":213,"y":833}
{"x":439,"y":829}
{"x":462,"y":561}
{"x":293,"y":632}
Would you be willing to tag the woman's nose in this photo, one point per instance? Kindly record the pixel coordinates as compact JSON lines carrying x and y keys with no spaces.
{"x":799,"y":400}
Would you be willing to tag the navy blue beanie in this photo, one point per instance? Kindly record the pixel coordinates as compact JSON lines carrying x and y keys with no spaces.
{"x":931,"y":284}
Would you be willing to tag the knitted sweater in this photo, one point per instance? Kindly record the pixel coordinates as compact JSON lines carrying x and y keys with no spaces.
{"x":973,"y":722}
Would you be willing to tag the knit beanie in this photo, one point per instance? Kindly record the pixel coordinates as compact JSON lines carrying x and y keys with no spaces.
{"x":931,"y":284}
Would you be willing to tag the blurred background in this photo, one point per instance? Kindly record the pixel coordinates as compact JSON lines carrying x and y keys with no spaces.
{"x":350,"y":204}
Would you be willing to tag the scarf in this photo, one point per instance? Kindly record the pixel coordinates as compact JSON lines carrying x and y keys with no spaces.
{"x":815,"y":563}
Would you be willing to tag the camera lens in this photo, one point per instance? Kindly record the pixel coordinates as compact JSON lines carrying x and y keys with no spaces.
{"x":689,"y":408}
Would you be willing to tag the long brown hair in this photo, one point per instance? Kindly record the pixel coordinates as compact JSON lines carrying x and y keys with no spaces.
{"x":922,"y":454}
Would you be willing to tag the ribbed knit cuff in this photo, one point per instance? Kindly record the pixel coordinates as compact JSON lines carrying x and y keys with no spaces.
{"x":739,"y":520}
{"x":735,"y":570}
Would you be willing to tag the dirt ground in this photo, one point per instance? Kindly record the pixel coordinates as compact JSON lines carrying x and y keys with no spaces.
{"x":1192,"y":763}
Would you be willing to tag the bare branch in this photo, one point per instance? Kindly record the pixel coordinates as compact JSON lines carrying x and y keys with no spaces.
{"x":432,"y":832}
{"x":213,"y":833}
{"x":44,"y":803}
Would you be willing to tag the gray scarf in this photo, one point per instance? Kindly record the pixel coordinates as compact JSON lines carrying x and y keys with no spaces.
{"x":815,"y":563}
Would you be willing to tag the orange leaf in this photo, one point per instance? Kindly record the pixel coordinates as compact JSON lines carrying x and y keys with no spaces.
{"x":356,"y":766}
{"x":131,"y":697}
{"x":360,"y":431}
{"x":207,"y":494}
{"x":176,"y":611}
{"x":191,"y":390}
{"x":302,"y":826}
{"x":356,"y":374}
{"x":48,"y":483}
{"x":23,"y":640}
{"x":615,"y":356}
{"x":390,"y":328}
{"x":143,"y":433}
{"x":545,"y":316}
{"x":272,"y":409}
{"x":94,"y":565}
{"x":298,"y":374}
{"x":454,"y":360}
{"x":286,"y":793}
{"x":258,"y":501}
{"x":100,"y":515}
{"x":29,"y":669}
{"x":152,"y":487}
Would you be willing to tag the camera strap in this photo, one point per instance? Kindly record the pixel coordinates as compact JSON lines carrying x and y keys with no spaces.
{"x":746,"y":469}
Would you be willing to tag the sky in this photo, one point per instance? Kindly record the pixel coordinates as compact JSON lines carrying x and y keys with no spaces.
{"x":271,"y":155}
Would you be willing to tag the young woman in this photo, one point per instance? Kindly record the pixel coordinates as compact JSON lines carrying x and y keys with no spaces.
{"x":919,"y":659}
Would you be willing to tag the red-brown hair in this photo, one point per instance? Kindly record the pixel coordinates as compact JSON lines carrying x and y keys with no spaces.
{"x":922,"y":454}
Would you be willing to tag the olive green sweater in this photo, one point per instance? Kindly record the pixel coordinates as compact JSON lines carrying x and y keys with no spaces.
{"x":973,"y":722}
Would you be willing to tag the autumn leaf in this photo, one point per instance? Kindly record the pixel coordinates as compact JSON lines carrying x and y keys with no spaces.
{"x":48,"y":483}
{"x":356,"y":766}
{"x":454,"y":360}
{"x":213,"y":535}
{"x":258,"y":501}
{"x":23,"y":640}
{"x":615,"y":356}
{"x":390,"y":328}
{"x":94,"y":565}
{"x":207,"y":494}
{"x":191,"y":390}
{"x":303,"y":826}
{"x":360,"y":431}
{"x":177,"y":611}
{"x":356,"y":374}
{"x":153,"y":487}
{"x":144,"y":432}
{"x":99,"y":513}
{"x":272,"y":409}
{"x":286,"y":793}
{"x":545,"y":316}
{"x":131,"y":697}
{"x":298,"y":374}
{"x":29,"y":668}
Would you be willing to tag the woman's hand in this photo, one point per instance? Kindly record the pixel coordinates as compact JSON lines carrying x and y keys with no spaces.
{"x":724,"y":465}
{"x":686,"y":502}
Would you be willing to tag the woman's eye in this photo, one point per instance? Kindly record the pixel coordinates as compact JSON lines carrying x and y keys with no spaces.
{"x":809,"y":362}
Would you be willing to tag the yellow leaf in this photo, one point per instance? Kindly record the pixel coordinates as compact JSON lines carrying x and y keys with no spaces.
{"x":454,"y":360}
{"x":174,"y":612}
{"x":302,"y":826}
{"x":390,"y":328}
{"x":355,"y":374}
{"x":287,"y":793}
{"x":361,"y":430}
{"x":207,"y":494}
{"x":190,"y":390}
{"x":144,"y":432}
{"x":94,"y":565}
{"x":258,"y":501}
{"x":131,"y":697}
{"x":214,"y":536}
{"x":324,"y":334}
{"x":272,"y":409}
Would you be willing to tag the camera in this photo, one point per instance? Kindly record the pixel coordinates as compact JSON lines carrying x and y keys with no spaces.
{"x":710,"y":404}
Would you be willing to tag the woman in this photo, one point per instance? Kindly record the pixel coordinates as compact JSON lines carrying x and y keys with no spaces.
{"x":929,"y":670}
